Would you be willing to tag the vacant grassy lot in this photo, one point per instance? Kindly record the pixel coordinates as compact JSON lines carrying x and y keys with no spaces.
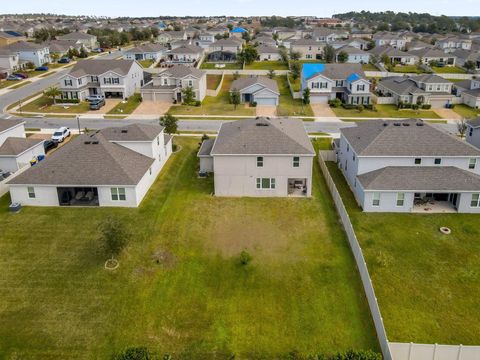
{"x":301,"y":291}
{"x":127,"y":107}
{"x":288,"y":106}
{"x":426,"y":283}
{"x":213,"y":81}
{"x":228,"y":66}
{"x":466,"y":111}
{"x":44,"y":105}
{"x":449,"y":70}
{"x":267,"y":65}
{"x":386,"y":111}
{"x":216,"y":105}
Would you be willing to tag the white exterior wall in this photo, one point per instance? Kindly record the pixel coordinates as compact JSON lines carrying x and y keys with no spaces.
{"x":44,"y":195}
{"x":14,"y":163}
{"x":463,"y":204}
{"x":206,"y":163}
{"x":236,"y":175}
{"x":37,"y":57}
{"x":358,"y":58}
{"x":473,"y":139}
{"x":388,"y":202}
{"x":269,"y":56}
{"x":472,"y":101}
{"x":16,"y":131}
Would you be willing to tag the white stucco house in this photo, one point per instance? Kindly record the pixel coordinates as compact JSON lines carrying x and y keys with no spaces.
{"x":112,"y":167}
{"x":409,"y":166}
{"x":469,"y":92}
{"x":257,"y":89}
{"x":38,"y":54}
{"x":149,"y":51}
{"x":473,"y":132}
{"x":260,"y":158}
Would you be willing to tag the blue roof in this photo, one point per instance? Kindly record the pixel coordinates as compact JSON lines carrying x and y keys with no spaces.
{"x":13,"y":33}
{"x":353,"y":77}
{"x":238,"y":30}
{"x":309,"y":70}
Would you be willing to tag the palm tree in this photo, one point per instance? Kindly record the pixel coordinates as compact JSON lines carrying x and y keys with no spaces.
{"x":53,"y":92}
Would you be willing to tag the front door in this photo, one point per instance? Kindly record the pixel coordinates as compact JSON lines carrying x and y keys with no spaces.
{"x":247,"y":97}
{"x":453,"y":198}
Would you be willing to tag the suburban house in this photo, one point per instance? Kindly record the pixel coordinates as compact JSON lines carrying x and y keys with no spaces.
{"x":110,"y":78}
{"x":396,"y":56}
{"x":409,"y":166}
{"x":265,"y":40}
{"x":355,"y":55}
{"x":421,"y":89}
{"x":145,"y":52}
{"x":328,"y":35}
{"x":187,"y":55}
{"x":462,"y":56}
{"x":469,"y":91}
{"x":37,"y":54}
{"x":426,"y":56}
{"x":326,"y":82}
{"x":9,"y":60}
{"x":260,"y":158}
{"x":388,"y":39}
{"x":16,"y":150}
{"x":224,"y":50}
{"x":61,"y":47}
{"x":308,"y":49}
{"x":8,"y":38}
{"x":112,"y":167}
{"x":284,"y":33}
{"x":473,"y":132}
{"x":167,"y":86}
{"x":238,"y":32}
{"x":268,"y":53}
{"x":452,"y":43}
{"x":204,"y":39}
{"x":167,"y":37}
{"x":88,"y":41}
{"x":257,"y":89}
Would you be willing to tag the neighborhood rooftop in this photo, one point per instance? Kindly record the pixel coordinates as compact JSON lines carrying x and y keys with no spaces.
{"x":99,"y":67}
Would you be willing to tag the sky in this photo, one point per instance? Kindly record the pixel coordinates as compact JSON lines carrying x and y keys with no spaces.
{"x":320,"y":8}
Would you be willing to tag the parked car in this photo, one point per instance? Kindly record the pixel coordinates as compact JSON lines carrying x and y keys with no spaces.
{"x":61,"y":134}
{"x":94,"y":97}
{"x":97,"y":104}
{"x":64,"y":60}
{"x":14,"y":78}
{"x":49,"y":145}
{"x":21,"y":75}
{"x":98,"y":50}
{"x":42,"y":68}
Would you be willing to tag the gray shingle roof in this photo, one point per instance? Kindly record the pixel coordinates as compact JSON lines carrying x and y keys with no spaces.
{"x":401,"y":85}
{"x":187,"y":49}
{"x":6,"y":124}
{"x":245,"y":82}
{"x":422,"y":178}
{"x":26,"y":46}
{"x":99,"y":67}
{"x":206,"y":147}
{"x":76,"y":36}
{"x":263,"y":136}
{"x":134,"y":132}
{"x":380,"y":138}
{"x":17,"y":145}
{"x":180,"y":71}
{"x":475,"y":123}
{"x":266,"y":49}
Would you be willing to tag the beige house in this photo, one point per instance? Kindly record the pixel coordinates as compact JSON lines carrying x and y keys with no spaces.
{"x":308,"y":49}
{"x":260,"y":158}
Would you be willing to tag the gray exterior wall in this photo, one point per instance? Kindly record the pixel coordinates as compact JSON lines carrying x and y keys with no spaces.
{"x":473,"y":136}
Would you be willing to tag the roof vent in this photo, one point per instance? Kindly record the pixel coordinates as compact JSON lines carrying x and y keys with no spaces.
{"x":124,"y":131}
{"x":405,"y":124}
{"x":87,"y":142}
{"x":396,"y":124}
{"x":419,"y":124}
{"x":385,"y":124}
{"x":95,"y":142}
{"x":261,"y":124}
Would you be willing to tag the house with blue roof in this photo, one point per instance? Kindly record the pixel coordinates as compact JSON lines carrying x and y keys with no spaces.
{"x":327,"y":82}
{"x":238,"y":32}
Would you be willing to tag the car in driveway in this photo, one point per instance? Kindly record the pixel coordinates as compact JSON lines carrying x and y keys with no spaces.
{"x":21,"y":75}
{"x":41,"y":68}
{"x":94,"y":97}
{"x":97,"y":104}
{"x":49,"y":145}
{"x":64,"y":60}
{"x":61,"y":134}
{"x":14,"y":78}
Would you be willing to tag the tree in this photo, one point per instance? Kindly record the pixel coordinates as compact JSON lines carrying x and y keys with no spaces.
{"x":83,"y":53}
{"x":271,"y":74}
{"x":248,"y":55}
{"x":169,"y":122}
{"x":462,"y":127}
{"x":469,"y":65}
{"x":342,"y":57}
{"x":188,"y":95}
{"x":245,"y":258}
{"x":329,"y":54}
{"x":283,"y":54}
{"x":295,"y":69}
{"x":295,"y":55}
{"x":72,"y":53}
{"x":306,"y":96}
{"x":53,"y":92}
{"x":235,"y":75}
{"x":246,"y":37}
{"x":235,"y":98}
{"x":54,"y":57}
{"x":230,"y":26}
{"x":113,"y":235}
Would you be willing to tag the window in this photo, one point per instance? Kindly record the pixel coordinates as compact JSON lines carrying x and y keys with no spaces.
{"x":472,"y":163}
{"x":376,"y":199}
{"x":418,"y":161}
{"x":107,"y":80}
{"x":475,"y":202}
{"x":265,"y":183}
{"x":68,"y":83}
{"x":150,"y":170}
{"x":353,"y":157}
{"x":116,"y":81}
{"x":438,"y":161}
{"x":296,"y":161}
{"x":118,"y":194}
{"x":31,"y":192}
{"x":400,"y":199}
{"x":360,"y":87}
{"x":190,"y":83}
{"x":158,"y":140}
{"x":259,"y":161}
{"x":348,"y":147}
{"x":94,"y":78}
{"x":80,"y":81}
{"x":470,"y":131}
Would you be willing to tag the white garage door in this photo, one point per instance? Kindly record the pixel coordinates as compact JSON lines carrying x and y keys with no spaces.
{"x":319,"y":99}
{"x":437,"y":103}
{"x":163,"y":97}
{"x":266,"y":101}
{"x":147,"y":97}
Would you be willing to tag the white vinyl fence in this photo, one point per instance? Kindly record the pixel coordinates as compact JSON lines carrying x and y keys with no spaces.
{"x":357,"y":253}
{"x":3,"y":184}
{"x":445,"y":76}
{"x":217,"y":90}
{"x":411,"y":351}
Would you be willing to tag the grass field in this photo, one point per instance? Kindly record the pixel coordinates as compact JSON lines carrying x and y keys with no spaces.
{"x":301,"y":291}
{"x":289,"y":106}
{"x":44,"y":105}
{"x":296,"y":85}
{"x":449,"y":70}
{"x":386,"y":111}
{"x":128,"y":107}
{"x":7,"y":83}
{"x":216,"y":105}
{"x":267,"y":65}
{"x":213,"y":81}
{"x":408,"y":69}
{"x":146,"y":63}
{"x":228,"y":66}
{"x":369,"y":67}
{"x":426,"y":283}
{"x":466,"y":111}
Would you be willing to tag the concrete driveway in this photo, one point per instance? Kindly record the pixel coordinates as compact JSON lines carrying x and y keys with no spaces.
{"x":322,"y":110}
{"x":448,"y":114}
{"x":152,"y":108}
{"x":109,"y":105}
{"x":266,"y":110}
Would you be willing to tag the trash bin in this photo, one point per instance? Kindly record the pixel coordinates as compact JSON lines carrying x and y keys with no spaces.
{"x":40,"y":157}
{"x":15,"y":207}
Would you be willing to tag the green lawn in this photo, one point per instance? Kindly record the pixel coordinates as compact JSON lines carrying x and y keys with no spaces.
{"x":386,"y":111}
{"x":408,"y":69}
{"x":44,"y":105}
{"x":21,"y":84}
{"x":296,"y":85}
{"x":228,"y":66}
{"x":312,"y":61}
{"x":146,"y":63}
{"x":449,"y":70}
{"x":301,"y":291}
{"x":369,"y":67}
{"x":289,"y":106}
{"x":267,"y":65}
{"x":7,"y":83}
{"x":213,"y":81}
{"x":127,"y":107}
{"x":216,"y":105}
{"x":426,"y":283}
{"x":466,"y":111}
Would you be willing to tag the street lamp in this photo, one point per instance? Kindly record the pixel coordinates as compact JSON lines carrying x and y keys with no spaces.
{"x":78,"y":124}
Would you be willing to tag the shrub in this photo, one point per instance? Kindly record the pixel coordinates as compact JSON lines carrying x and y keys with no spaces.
{"x":360,"y":107}
{"x":134,"y":353}
{"x":349,"y":106}
{"x":254,"y":104}
{"x":426,"y":106}
{"x":113,"y":235}
{"x":335,"y":103}
{"x":198,"y":103}
{"x":245,"y":258}
{"x":69,"y":101}
{"x":415,"y":106}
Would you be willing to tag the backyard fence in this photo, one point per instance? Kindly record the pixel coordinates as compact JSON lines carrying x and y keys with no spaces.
{"x":357,"y":253}
{"x":295,"y":94}
{"x":444,"y":75}
{"x":3,"y":184}
{"x":411,"y":351}
{"x":217,"y":90}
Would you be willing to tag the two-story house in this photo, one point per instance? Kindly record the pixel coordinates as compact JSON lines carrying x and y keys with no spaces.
{"x":37,"y":54}
{"x":409,"y":166}
{"x":426,"y":89}
{"x":260,"y":158}
{"x":188,"y":55}
{"x":326,"y":82}
{"x":309,"y":49}
{"x":167,"y":37}
{"x":268,"y":53}
{"x":328,"y":35}
{"x":167,"y":86}
{"x":204,"y":40}
{"x":427,"y":56}
{"x":224,"y":49}
{"x":9,"y":60}
{"x":112,"y":167}
{"x":452,"y":43}
{"x":469,"y":91}
{"x":110,"y":78}
{"x":88,"y":41}
{"x":388,"y":39}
